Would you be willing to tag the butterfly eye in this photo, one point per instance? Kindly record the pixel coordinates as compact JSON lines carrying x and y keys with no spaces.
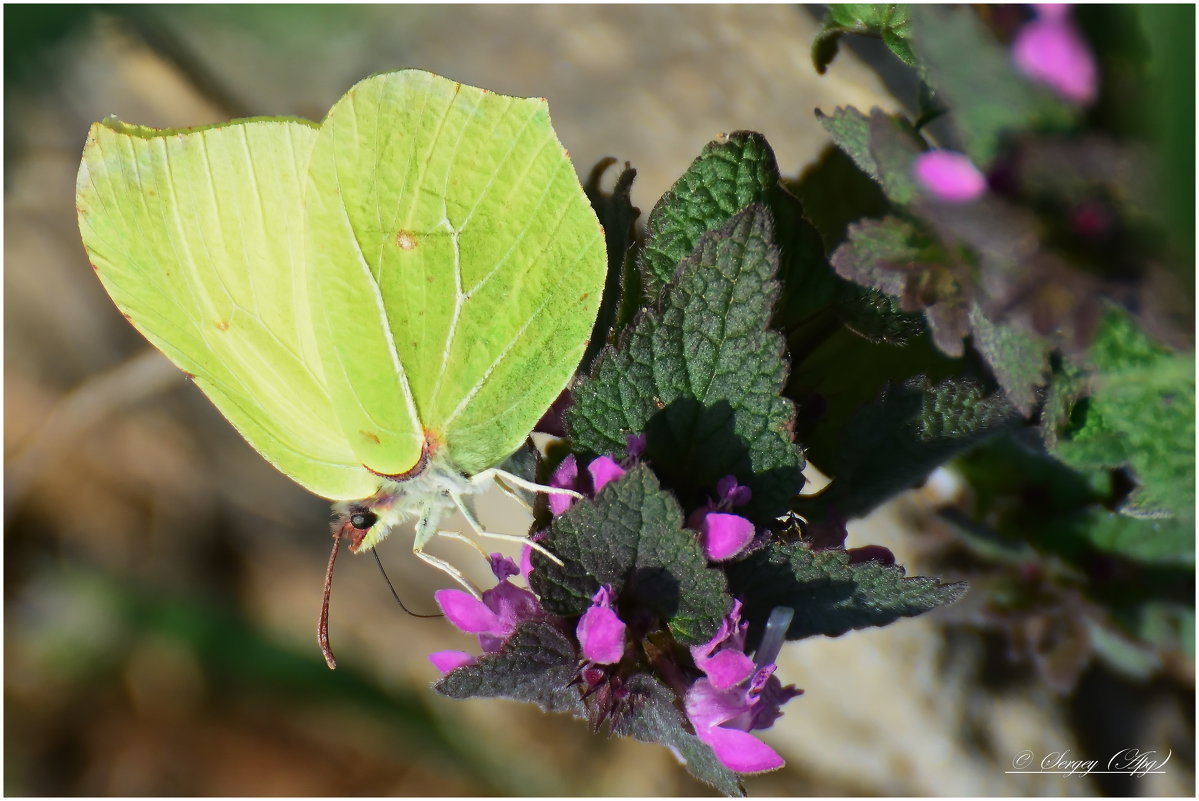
{"x":363,"y":520}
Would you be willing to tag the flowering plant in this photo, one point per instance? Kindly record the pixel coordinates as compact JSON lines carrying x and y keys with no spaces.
{"x":949,"y":300}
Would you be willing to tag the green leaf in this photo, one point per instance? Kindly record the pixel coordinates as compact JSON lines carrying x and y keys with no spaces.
{"x":836,"y":192}
{"x":883,"y":146}
{"x":1137,"y":411}
{"x":893,"y":444}
{"x":730,"y":173}
{"x":631,"y":537}
{"x":1018,"y":358}
{"x":883,"y":254}
{"x":850,"y":130}
{"x":877,"y":317}
{"x":894,"y":145}
{"x":890,"y":22}
{"x":975,"y":77}
{"x":536,"y":664}
{"x":830,"y":596}
{"x":1166,"y":541}
{"x":618,"y":216}
{"x":700,"y":376}
{"x":654,"y":718}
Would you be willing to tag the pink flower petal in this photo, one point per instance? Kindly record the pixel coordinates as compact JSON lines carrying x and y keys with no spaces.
{"x":601,"y":634}
{"x":566,"y":476}
{"x":445,"y":661}
{"x":724,"y":536}
{"x":949,"y":176}
{"x":1050,"y":50}
{"x":466,"y":611}
{"x":726,"y":668}
{"x":526,"y":562}
{"x":707,"y":706}
{"x":603,"y":470}
{"x":740,"y":751}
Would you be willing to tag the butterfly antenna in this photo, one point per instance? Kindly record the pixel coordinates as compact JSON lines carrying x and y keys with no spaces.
{"x":322,"y":625}
{"x":395,"y":594}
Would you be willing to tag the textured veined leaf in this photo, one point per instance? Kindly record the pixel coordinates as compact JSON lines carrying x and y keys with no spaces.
{"x":383,"y":304}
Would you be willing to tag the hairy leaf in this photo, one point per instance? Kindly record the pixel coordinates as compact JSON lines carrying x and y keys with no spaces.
{"x":700,"y":376}
{"x":631,"y":537}
{"x":829,"y":594}
{"x":652,"y":717}
{"x":536,"y":665}
{"x":893,"y":444}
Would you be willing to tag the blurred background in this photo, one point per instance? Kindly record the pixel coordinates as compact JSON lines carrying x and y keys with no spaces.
{"x":162,"y":581}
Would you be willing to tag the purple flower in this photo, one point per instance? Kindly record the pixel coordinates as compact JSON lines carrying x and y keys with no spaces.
{"x":1051,"y":51}
{"x":722,"y":658}
{"x":738,"y":695}
{"x":950,"y":177}
{"x":600,"y":471}
{"x":604,"y":470}
{"x":566,"y":476}
{"x":600,"y":631}
{"x":722,"y":534}
{"x":493,"y":619}
{"x":446,"y":661}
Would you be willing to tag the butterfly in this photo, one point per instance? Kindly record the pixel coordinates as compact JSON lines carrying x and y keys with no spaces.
{"x":382,"y":304}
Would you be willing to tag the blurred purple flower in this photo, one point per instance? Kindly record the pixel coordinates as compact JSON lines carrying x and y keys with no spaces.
{"x":600,"y":631}
{"x":1051,"y":51}
{"x":493,"y":619}
{"x":738,"y":695}
{"x":949,"y":176}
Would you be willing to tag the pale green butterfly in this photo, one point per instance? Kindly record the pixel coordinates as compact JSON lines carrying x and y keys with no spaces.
{"x":383,"y":304}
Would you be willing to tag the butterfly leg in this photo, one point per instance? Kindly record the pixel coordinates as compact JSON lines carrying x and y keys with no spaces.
{"x":426,"y":529}
{"x":512,"y":493}
{"x":496,"y":474}
{"x":480,"y":531}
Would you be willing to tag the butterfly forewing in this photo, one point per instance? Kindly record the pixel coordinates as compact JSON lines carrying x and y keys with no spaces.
{"x":458,"y":263}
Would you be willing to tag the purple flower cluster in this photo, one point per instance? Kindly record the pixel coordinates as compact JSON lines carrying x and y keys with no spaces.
{"x":737,"y":694}
{"x":494,"y":618}
{"x":726,"y":695}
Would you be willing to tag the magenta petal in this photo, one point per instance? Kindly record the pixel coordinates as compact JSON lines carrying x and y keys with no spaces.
{"x":526,"y":562}
{"x":1051,"y":51}
{"x":601,"y":634}
{"x":726,"y":668}
{"x":740,"y":751}
{"x":949,"y":176}
{"x":566,"y":476}
{"x":445,"y":661}
{"x":707,"y":706}
{"x":724,"y":536}
{"x":603,"y":470}
{"x":502,"y":566}
{"x":466,"y":611}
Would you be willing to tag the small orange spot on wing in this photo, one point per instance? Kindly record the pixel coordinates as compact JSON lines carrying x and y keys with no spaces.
{"x":222,"y":325}
{"x":371,"y":435}
{"x":406,"y":240}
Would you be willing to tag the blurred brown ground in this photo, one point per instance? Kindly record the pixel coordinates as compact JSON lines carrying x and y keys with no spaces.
{"x":162,"y":581}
